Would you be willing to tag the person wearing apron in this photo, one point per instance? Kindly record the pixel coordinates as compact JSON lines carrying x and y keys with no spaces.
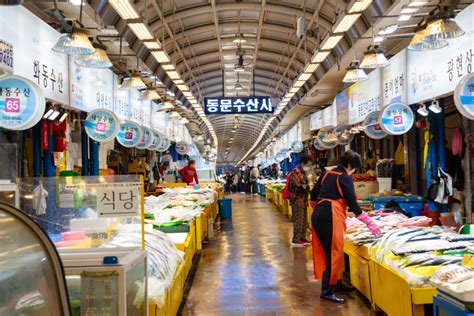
{"x":332,"y":196}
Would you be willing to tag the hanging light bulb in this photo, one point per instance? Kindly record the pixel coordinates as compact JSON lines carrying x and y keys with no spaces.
{"x":133,"y":82}
{"x":422,"y":110}
{"x":99,"y":59}
{"x":417,"y":43}
{"x":442,"y":28}
{"x":167,"y":105}
{"x":183,"y":121}
{"x":174,"y":114}
{"x":151,"y":95}
{"x":238,"y":86}
{"x":76,"y":43}
{"x":434,"y":107}
{"x":354,"y":73}
{"x":374,"y":58}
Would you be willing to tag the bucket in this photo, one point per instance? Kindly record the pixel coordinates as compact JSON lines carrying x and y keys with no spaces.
{"x":225,"y":208}
{"x":385,"y":184}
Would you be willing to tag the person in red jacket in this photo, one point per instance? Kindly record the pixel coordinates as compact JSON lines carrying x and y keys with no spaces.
{"x":189,"y":173}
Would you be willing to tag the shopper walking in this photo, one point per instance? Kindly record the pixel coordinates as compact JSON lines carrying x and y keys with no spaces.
{"x":332,"y":195}
{"x":189,"y":173}
{"x":247,"y":179}
{"x":254,"y":175}
{"x":299,"y":191}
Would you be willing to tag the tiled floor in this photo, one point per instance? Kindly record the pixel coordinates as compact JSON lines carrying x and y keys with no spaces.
{"x":249,"y":269}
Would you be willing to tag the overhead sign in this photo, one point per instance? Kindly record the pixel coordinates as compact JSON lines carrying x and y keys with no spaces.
{"x":396,"y":118}
{"x":121,"y":101}
{"x":32,"y":39}
{"x":297,"y":146}
{"x":326,"y":139}
{"x":157,"y":140}
{"x":342,"y":105}
{"x":316,"y":121}
{"x":238,"y":105}
{"x":102,"y":125}
{"x":147,"y":139}
{"x":394,"y":79}
{"x":372,"y":126}
{"x":22,"y":103}
{"x":464,"y":96}
{"x":136,"y":109}
{"x":6,"y":57}
{"x":434,"y":73}
{"x":130,"y":134}
{"x":343,"y":134}
{"x":365,"y":97}
{"x":165,"y":145}
{"x":182,"y":148}
{"x":91,"y":88}
{"x":330,"y":115}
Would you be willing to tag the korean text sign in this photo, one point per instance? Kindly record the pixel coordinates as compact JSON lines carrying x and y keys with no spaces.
{"x":236,"y":105}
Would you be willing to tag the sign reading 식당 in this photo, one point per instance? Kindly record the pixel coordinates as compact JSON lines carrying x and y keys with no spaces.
{"x":233,"y":105}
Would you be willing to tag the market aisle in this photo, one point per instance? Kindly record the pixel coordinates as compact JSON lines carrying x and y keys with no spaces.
{"x":250,"y":269}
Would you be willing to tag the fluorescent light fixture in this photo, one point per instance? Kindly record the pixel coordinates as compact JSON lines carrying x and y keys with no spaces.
{"x":178,"y":81}
{"x":374,"y":58}
{"x":182,"y":87}
{"x":354,"y":73}
{"x":379,"y":39}
{"x":239,"y":40}
{"x":167,"y":66}
{"x":434,"y":107}
{"x":173,"y":74}
{"x":188,"y":95}
{"x":422,"y":110}
{"x":409,"y":10}
{"x":63,"y":117}
{"x":134,"y":82}
{"x":299,"y":83}
{"x":152,"y":45}
{"x":331,"y":42}
{"x":125,"y":9}
{"x":404,"y":17}
{"x":161,"y":57}
{"x":239,"y":68}
{"x":294,"y":89}
{"x":304,"y":76}
{"x":141,"y":31}
{"x":48,"y":113}
{"x":442,"y":29}
{"x":99,"y":59}
{"x":358,"y":6}
{"x":418,"y":3}
{"x":346,"y":23}
{"x":310,"y":68}
{"x":320,"y":56}
{"x":389,"y":29}
{"x":54,"y":115}
{"x":76,"y":43}
{"x":417,"y":43}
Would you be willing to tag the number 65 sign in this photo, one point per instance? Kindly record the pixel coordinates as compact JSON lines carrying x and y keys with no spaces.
{"x":22,"y":103}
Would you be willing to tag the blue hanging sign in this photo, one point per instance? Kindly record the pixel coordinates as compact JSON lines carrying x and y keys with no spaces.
{"x":297,"y":146}
{"x":396,"y":118}
{"x":372,"y":126}
{"x":130,"y":134}
{"x":182,"y":148}
{"x":464,"y":96}
{"x":343,"y":134}
{"x":238,"y":105}
{"x":157,"y":140}
{"x":327,"y":138}
{"x":165,"y":145}
{"x":22,"y":103}
{"x":147,"y":139}
{"x":102,"y":125}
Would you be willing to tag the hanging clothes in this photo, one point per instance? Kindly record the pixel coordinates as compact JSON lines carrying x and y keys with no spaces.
{"x":39,"y":199}
{"x":445,"y":187}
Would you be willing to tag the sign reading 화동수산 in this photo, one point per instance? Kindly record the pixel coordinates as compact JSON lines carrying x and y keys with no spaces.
{"x":242,"y":105}
{"x":22,"y":103}
{"x":102,"y":125}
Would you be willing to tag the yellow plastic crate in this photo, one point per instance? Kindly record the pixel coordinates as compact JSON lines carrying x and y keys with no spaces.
{"x":189,"y":249}
{"x":201,"y":229}
{"x":360,"y":275}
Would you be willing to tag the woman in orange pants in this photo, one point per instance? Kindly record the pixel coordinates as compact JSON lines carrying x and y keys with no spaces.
{"x":331,"y":197}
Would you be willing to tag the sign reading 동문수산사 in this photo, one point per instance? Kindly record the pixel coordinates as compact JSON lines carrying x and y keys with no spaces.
{"x":464,"y":96}
{"x":102,"y":125}
{"x":396,"y":118}
{"x":22,"y":103}
{"x":238,"y":105}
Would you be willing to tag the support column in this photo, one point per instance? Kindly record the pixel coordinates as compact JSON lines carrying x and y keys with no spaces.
{"x":94,"y":157}
{"x":84,"y":151}
{"x":37,"y":150}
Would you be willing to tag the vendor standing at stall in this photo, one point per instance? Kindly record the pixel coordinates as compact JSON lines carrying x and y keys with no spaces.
{"x":298,"y":188}
{"x":189,"y":173}
{"x":332,"y":196}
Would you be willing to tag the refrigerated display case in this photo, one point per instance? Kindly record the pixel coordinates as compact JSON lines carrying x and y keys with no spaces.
{"x":31,"y":275}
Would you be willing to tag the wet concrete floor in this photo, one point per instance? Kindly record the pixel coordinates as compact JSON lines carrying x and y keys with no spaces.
{"x":250,"y":269}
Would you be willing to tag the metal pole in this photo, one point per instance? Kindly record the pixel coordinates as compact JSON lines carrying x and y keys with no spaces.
{"x":37,"y":150}
{"x":94,"y":159}
{"x":84,"y":151}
